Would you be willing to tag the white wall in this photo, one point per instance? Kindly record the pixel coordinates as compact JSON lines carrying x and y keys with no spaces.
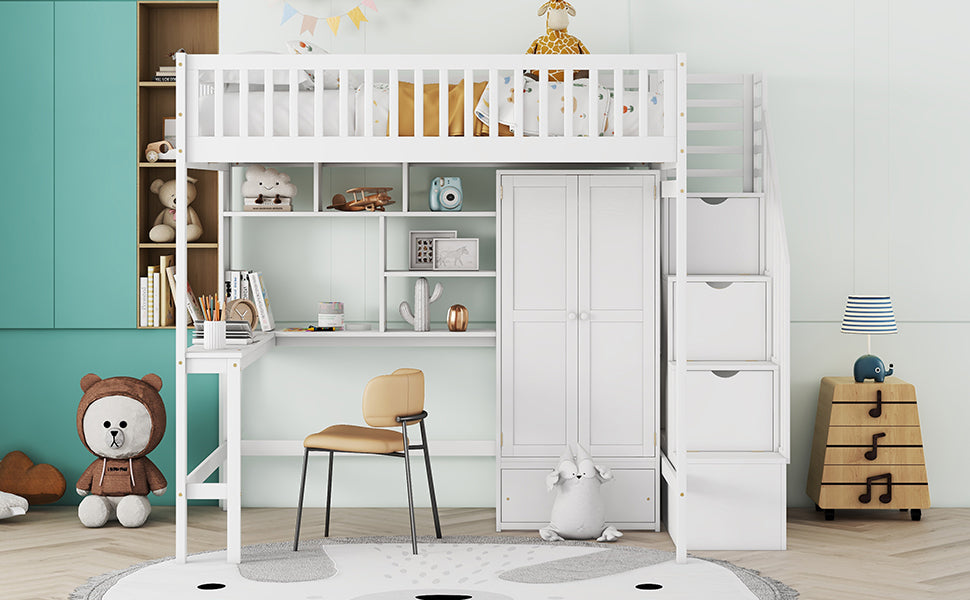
{"x":867,"y":101}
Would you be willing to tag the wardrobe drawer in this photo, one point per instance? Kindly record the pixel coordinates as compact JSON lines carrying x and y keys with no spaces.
{"x":726,"y":320}
{"x":732,"y":506}
{"x":729,"y":411}
{"x":725,"y":236}
{"x":848,"y":496}
{"x":630,"y":496}
{"x":891,"y":436}
{"x":884,"y":456}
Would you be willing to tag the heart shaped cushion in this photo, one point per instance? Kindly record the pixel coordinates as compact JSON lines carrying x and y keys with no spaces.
{"x":39,"y":484}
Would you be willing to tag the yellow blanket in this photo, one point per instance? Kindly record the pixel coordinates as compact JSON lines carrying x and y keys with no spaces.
{"x":456,"y":105}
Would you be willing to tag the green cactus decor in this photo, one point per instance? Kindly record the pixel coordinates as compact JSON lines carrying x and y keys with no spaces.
{"x":421,"y":318}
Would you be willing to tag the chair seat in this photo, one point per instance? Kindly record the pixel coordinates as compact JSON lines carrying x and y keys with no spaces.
{"x":353,"y":438}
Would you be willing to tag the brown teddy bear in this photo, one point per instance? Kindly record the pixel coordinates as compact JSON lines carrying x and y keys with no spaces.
{"x":120,"y":420}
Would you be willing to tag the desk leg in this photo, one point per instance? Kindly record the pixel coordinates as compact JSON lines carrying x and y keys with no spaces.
{"x":233,"y":462}
{"x":181,"y":462}
{"x":222,"y":431}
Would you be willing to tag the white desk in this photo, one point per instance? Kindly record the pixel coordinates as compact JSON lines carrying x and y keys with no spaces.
{"x":229,"y":363}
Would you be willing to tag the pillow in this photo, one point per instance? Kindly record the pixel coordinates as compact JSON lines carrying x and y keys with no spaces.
{"x":331,"y":78}
{"x":11,"y":505}
{"x":631,"y":118}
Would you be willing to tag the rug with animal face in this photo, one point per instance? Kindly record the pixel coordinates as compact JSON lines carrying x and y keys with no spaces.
{"x":449,"y":569}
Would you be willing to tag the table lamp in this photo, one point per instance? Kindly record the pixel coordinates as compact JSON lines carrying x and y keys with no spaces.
{"x":869,"y":315}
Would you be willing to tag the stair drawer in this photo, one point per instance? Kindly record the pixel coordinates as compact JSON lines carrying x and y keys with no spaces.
{"x":726,"y":320}
{"x":725,"y":236}
{"x":729,"y":411}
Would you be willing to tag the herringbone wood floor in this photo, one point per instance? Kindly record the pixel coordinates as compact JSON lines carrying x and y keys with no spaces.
{"x":859,"y":556}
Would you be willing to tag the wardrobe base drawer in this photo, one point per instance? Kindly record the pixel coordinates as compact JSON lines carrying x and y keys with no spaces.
{"x":630,"y":497}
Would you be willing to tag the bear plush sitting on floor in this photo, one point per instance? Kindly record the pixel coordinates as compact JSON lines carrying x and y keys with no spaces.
{"x":120,"y":420}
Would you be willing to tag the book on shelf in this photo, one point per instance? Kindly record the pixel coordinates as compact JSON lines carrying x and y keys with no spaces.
{"x":156,"y":297}
{"x":267,"y":204}
{"x":192,"y":305}
{"x":164,"y":77}
{"x":260,"y":298}
{"x":152,"y":304}
{"x":143,"y":301}
{"x":166,"y":300}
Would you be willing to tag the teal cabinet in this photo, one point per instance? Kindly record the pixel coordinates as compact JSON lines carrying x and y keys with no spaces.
{"x":95,"y":165}
{"x":27,"y":154}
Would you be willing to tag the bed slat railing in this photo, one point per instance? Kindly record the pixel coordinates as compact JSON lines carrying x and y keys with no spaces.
{"x":360,"y":96}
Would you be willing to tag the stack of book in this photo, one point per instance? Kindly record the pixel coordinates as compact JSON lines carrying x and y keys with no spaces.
{"x":156,"y":307}
{"x":165,"y":73}
{"x":238,"y":333}
{"x":266,"y":203}
{"x":249,"y":285}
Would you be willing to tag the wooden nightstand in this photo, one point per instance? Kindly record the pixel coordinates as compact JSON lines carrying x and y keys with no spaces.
{"x":867,"y":451}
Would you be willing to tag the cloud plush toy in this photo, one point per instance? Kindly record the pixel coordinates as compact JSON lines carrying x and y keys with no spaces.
{"x":267,"y":183}
{"x":120,"y":420}
{"x":579,"y":512}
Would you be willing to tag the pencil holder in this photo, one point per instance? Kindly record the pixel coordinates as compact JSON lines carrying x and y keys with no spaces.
{"x":214,"y":335}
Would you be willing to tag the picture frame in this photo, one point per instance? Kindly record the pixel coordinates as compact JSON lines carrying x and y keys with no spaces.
{"x":421,"y":256}
{"x":457,"y":254}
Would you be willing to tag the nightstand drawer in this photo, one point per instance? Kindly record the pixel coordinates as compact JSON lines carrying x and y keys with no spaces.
{"x":859,"y":473}
{"x":862,"y":436}
{"x":884,"y":456}
{"x":847,"y":496}
{"x":857,"y":414}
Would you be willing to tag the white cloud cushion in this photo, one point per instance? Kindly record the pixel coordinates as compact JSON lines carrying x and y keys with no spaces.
{"x":12,"y":505}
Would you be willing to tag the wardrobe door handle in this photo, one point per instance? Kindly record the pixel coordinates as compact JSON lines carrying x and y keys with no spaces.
{"x":571,"y":316}
{"x":583,"y":316}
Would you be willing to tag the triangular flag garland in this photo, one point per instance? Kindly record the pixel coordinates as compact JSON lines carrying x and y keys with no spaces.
{"x":309,"y":22}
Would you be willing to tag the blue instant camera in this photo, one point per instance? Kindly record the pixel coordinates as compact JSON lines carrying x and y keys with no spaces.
{"x":445,"y":194}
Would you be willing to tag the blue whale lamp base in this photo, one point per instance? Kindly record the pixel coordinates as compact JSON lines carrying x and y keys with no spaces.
{"x":869,"y":366}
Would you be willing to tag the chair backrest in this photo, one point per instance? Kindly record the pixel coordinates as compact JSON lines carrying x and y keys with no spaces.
{"x":396,"y":395}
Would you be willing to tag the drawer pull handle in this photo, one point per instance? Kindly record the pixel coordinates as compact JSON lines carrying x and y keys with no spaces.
{"x":884,"y":498}
{"x":713,"y":201}
{"x":719,"y":285}
{"x":871,"y":454}
{"x":725,"y":374}
{"x":875,"y":413}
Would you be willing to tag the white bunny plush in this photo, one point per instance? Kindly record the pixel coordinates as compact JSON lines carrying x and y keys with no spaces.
{"x":579,"y":511}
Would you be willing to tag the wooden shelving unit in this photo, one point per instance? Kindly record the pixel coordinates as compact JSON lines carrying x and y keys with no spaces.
{"x":164,"y":27}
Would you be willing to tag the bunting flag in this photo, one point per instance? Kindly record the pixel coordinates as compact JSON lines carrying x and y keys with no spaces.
{"x":309,"y":22}
{"x":357,"y":16}
{"x":288,"y":12}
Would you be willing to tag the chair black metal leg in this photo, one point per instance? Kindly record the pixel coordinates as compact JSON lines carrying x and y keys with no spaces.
{"x":299,"y":510}
{"x":407,"y":470}
{"x":427,"y":464}
{"x":326,"y":527}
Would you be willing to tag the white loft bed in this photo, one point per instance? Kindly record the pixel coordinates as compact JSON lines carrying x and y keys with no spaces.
{"x":659,"y":139}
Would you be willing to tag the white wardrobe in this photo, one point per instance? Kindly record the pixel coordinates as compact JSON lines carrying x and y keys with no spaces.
{"x":578,"y":338}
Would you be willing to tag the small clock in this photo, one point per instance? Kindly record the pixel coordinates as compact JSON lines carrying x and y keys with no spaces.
{"x":242,"y":310}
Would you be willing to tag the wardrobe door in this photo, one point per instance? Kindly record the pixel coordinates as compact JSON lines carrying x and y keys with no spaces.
{"x":539,"y":314}
{"x":617,"y":323}
{"x":94,"y":150}
{"x":27,"y":155}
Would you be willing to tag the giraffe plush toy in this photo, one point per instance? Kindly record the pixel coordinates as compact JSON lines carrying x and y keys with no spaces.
{"x":556,"y":40}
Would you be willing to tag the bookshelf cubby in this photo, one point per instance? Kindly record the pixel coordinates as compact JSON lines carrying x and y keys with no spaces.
{"x":164,"y":27}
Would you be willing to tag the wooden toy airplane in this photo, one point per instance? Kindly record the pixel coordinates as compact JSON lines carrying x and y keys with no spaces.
{"x":364,"y":198}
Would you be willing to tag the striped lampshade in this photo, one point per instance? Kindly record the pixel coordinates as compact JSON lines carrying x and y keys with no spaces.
{"x":869,"y":314}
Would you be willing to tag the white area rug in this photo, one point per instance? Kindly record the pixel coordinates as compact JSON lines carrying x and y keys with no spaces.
{"x":455,"y":568}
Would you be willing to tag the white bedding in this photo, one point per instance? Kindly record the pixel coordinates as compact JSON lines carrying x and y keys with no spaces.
{"x":381,"y":97}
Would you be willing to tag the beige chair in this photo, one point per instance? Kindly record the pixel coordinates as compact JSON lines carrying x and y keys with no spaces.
{"x":389,"y":401}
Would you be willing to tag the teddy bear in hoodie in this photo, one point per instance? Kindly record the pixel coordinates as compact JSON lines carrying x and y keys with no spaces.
{"x":579,"y":511}
{"x":120,"y":420}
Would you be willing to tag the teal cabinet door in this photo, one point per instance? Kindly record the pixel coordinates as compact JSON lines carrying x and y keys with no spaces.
{"x":95,"y":156}
{"x":27,"y":155}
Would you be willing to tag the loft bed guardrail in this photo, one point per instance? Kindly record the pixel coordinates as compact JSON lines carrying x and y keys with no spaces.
{"x":318,"y":106}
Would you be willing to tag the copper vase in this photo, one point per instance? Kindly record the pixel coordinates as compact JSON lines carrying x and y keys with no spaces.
{"x":457,"y":318}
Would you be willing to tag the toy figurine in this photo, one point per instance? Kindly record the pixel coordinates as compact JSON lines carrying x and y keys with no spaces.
{"x":869,"y":366}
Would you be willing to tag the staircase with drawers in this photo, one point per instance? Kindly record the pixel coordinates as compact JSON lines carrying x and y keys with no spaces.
{"x":725,"y":360}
